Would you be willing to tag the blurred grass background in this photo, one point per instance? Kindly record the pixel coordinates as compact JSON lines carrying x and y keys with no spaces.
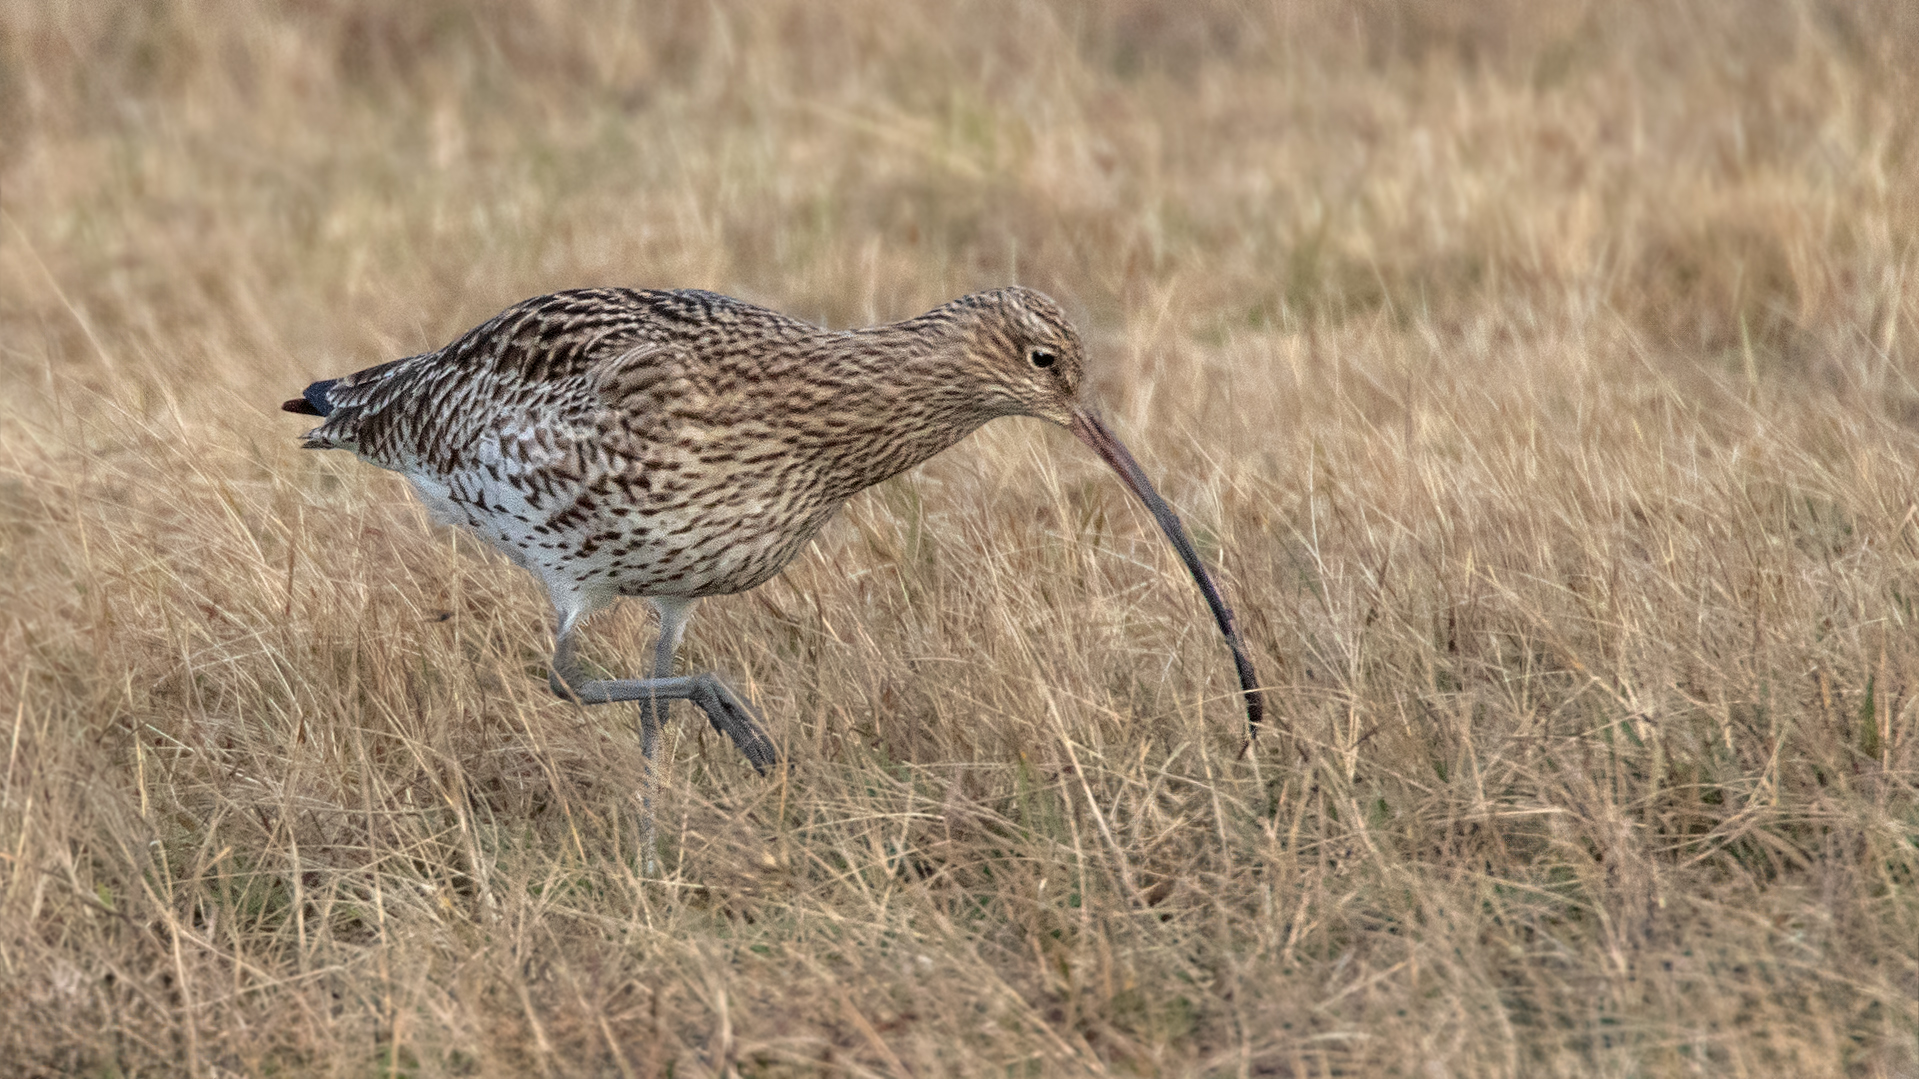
{"x":1540,"y":376}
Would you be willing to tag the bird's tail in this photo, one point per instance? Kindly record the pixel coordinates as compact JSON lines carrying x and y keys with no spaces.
{"x":312,"y":401}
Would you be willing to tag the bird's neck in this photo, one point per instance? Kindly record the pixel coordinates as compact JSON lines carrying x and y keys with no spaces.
{"x":900,"y":396}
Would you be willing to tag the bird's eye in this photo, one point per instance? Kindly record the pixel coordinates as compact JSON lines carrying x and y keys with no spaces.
{"x":1042,"y":359}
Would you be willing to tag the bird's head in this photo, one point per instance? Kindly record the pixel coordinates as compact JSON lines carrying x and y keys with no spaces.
{"x":1024,"y":353}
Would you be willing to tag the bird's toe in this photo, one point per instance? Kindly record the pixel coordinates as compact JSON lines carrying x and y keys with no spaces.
{"x":732,"y":716}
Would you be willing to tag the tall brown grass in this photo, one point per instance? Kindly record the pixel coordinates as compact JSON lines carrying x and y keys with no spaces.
{"x":1541,"y":376}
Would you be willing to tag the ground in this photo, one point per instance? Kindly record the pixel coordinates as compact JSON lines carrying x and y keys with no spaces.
{"x":1539,"y":376}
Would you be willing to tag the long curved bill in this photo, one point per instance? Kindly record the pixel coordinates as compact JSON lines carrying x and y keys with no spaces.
{"x":1087,"y":426}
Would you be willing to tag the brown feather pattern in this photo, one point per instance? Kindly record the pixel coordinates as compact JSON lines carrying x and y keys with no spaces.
{"x":683,"y":443}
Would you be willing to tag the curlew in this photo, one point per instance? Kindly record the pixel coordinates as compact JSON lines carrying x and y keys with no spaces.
{"x":679,"y":444}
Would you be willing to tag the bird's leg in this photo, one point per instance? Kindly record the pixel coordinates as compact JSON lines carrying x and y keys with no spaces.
{"x":725,"y":709}
{"x":653,"y":712}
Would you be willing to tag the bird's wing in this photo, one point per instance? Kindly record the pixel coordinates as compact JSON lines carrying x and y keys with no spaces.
{"x":530,"y":378}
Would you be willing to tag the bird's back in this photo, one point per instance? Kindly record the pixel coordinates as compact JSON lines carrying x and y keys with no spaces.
{"x":611,"y":440}
{"x":552,"y":359}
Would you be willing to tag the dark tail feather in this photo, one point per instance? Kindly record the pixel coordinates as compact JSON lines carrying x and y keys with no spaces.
{"x":312,"y":401}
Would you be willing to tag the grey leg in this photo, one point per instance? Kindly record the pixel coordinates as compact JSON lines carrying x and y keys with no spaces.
{"x":725,"y":710}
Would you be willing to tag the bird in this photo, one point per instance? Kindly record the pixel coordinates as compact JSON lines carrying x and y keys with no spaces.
{"x":675,"y":444}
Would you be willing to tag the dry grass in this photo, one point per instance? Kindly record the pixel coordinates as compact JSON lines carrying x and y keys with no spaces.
{"x":1542,"y":376}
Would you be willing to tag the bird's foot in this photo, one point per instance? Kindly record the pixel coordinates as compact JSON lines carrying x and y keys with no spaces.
{"x":729,"y":714}
{"x":725,"y":709}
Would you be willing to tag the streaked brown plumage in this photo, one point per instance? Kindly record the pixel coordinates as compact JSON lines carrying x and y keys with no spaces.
{"x":681,"y":444}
